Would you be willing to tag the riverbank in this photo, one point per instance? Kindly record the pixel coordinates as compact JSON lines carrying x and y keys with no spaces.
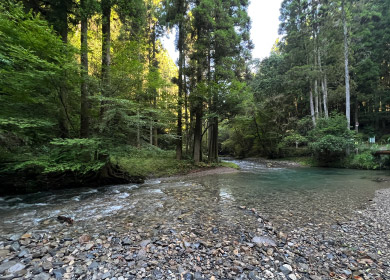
{"x":188,"y":231}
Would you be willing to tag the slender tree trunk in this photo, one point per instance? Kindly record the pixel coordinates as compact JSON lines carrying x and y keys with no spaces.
{"x":316,"y":101}
{"x":106,"y":52}
{"x":356,"y":115}
{"x":313,"y":117}
{"x":179,"y":143}
{"x":155,"y":131}
{"x":324,"y":86}
{"x":186,"y":111}
{"x":138,"y":130}
{"x":84,"y":114}
{"x":62,"y":28}
{"x":198,"y":134}
{"x":346,"y":62}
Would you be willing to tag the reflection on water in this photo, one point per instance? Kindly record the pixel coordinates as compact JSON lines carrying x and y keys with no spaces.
{"x":302,"y":195}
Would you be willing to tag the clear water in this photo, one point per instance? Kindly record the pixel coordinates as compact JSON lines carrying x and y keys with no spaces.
{"x":287,"y":196}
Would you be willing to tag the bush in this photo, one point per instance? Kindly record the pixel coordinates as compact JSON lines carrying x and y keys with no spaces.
{"x":365,"y":160}
{"x":331,"y":139}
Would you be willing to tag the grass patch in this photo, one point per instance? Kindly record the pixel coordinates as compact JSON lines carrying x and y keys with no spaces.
{"x":304,"y":161}
{"x":229,"y":164}
{"x":153,"y":162}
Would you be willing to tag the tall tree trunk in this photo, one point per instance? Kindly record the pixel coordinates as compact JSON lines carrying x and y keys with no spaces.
{"x":316,"y":101}
{"x":106,"y":52}
{"x":346,"y":62}
{"x":179,"y":141}
{"x":198,"y":134}
{"x":324,"y":86}
{"x":84,"y":114}
{"x":61,"y":26}
{"x":356,"y":115}
{"x":313,"y":117}
{"x":186,"y":111}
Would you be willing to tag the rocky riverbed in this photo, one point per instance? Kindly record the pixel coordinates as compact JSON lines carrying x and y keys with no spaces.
{"x":174,"y":233}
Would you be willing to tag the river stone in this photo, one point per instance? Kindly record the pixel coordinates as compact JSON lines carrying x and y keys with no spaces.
{"x":6,"y":265}
{"x":188,"y":276}
{"x":7,"y":277}
{"x":23,"y":253}
{"x":42,"y":276}
{"x":16,"y":268}
{"x":15,"y":237}
{"x":3,"y":253}
{"x":126,"y":241}
{"x":286,"y":269}
{"x":58,"y":273}
{"x":15,"y":247}
{"x":292,"y":276}
{"x":263,"y":240}
{"x":145,"y":243}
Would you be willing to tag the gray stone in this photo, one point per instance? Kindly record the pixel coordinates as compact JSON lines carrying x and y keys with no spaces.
{"x":16,"y":268}
{"x":15,"y":247}
{"x":263,"y":240}
{"x":15,"y":237}
{"x":47,"y":266}
{"x":4,"y":253}
{"x":93,"y":265}
{"x":145,"y":243}
{"x":6,"y":265}
{"x":188,"y":276}
{"x":106,"y":275}
{"x":42,"y":276}
{"x":126,"y":241}
{"x":292,"y":276}
{"x":286,"y":269}
{"x":23,"y":253}
{"x":58,"y":273}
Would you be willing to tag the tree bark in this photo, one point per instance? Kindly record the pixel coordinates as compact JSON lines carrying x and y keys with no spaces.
{"x":84,"y":114}
{"x":179,"y":141}
{"x":346,"y":62}
{"x":324,"y":86}
{"x":198,"y":134}
{"x":106,"y":53}
{"x":313,"y":117}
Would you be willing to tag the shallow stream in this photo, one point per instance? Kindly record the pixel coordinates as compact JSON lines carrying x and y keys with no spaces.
{"x":287,"y":196}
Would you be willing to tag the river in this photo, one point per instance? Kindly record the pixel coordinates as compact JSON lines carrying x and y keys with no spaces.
{"x":287,"y":196}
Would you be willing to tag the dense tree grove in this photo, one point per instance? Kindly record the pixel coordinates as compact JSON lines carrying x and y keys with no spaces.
{"x":332,"y":58}
{"x":82,"y":82}
{"x":85,"y":82}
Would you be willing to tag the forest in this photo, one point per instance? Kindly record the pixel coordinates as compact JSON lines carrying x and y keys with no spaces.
{"x":89,"y":94}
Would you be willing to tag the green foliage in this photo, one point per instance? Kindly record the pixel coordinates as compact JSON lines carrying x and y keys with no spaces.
{"x":293,"y":140}
{"x":364,"y":160}
{"x":78,"y":156}
{"x":331,"y":139}
{"x":149,"y":161}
